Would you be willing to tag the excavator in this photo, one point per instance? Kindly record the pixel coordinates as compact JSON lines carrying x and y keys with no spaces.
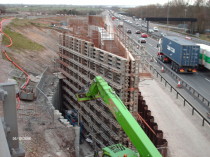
{"x":99,"y":89}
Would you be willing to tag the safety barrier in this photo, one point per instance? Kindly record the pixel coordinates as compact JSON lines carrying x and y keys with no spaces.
{"x":192,"y":90}
{"x":178,"y":94}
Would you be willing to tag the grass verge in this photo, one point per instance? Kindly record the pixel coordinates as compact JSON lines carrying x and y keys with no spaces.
{"x":20,"y":42}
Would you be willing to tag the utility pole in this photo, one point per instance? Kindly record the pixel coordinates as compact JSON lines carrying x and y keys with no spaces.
{"x":168,"y":15}
{"x":185,"y":12}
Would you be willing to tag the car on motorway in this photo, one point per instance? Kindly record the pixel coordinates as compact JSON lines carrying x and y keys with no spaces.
{"x":143,"y":25}
{"x":151,"y":31}
{"x":138,"y":32}
{"x":163,"y":34}
{"x":141,"y":40}
{"x":144,"y":35}
{"x":188,"y":38}
{"x":129,"y":31}
{"x":155,"y":29}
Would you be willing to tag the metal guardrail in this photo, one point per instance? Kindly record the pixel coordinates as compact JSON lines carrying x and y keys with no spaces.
{"x":158,"y":36}
{"x":192,"y":90}
{"x":178,"y":94}
{"x":132,"y":44}
{"x":201,"y":41}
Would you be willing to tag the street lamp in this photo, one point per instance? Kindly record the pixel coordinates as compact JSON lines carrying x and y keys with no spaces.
{"x":168,"y":15}
{"x":185,"y":12}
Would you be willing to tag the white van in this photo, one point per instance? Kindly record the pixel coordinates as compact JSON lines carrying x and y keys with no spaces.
{"x":155,"y":29}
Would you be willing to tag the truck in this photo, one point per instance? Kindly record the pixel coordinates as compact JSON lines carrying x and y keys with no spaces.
{"x":182,"y":54}
{"x":99,"y":89}
{"x":204,"y":56}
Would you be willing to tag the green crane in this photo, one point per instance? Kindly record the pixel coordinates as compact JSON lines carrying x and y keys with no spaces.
{"x":100,"y":89}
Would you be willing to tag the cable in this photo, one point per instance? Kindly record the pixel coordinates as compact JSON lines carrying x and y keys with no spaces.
{"x":15,"y":64}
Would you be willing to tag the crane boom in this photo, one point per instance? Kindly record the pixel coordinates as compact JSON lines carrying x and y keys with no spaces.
{"x":100,"y":89}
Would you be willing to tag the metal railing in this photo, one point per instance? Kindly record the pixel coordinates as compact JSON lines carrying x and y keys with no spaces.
{"x":178,"y":94}
{"x":132,"y":46}
{"x":41,"y":94}
{"x":192,"y":90}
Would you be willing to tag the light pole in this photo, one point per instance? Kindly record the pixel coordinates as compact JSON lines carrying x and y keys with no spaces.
{"x":168,"y":14}
{"x":185,"y":12}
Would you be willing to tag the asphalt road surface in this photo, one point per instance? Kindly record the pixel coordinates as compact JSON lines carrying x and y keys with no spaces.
{"x":199,"y":81}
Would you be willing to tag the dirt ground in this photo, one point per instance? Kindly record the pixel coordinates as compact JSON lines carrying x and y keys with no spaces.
{"x":44,"y":138}
{"x":185,"y":135}
{"x":32,"y":62}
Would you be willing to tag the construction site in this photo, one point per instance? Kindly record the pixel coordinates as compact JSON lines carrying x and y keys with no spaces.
{"x":49,"y":119}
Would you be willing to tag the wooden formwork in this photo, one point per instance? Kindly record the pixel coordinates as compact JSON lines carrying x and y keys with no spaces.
{"x":80,"y":62}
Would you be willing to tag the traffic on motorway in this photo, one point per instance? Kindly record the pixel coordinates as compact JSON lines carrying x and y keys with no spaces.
{"x":200,"y":80}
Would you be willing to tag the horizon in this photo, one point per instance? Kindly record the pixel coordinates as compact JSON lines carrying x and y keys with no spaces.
{"x":84,"y":3}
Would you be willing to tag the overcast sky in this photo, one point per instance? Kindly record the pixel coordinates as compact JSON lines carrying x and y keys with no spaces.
{"x":86,"y":2}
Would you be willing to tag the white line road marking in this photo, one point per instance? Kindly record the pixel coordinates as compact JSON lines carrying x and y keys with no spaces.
{"x":207,"y":79}
{"x":154,"y":40}
{"x":150,"y":44}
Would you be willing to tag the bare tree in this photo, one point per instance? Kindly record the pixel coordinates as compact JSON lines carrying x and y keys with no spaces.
{"x":200,"y":9}
{"x":2,"y":9}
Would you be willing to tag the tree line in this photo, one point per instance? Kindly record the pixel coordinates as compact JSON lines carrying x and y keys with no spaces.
{"x":199,"y":9}
{"x":77,"y":12}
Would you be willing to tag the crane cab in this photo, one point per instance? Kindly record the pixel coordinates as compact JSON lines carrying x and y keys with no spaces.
{"x":118,"y":150}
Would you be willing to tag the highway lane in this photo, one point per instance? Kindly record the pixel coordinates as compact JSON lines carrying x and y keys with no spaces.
{"x":199,"y":81}
{"x":151,"y":48}
{"x":165,"y":31}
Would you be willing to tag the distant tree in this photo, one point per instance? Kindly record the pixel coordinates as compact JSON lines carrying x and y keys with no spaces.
{"x":115,"y":8}
{"x":2,"y":9}
{"x":200,"y":9}
{"x":92,"y":12}
{"x":75,"y":12}
{"x":208,"y":3}
{"x":199,"y":2}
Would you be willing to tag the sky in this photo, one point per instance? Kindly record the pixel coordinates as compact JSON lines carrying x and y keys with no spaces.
{"x":86,"y":2}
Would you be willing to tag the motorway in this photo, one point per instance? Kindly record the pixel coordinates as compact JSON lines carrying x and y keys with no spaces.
{"x":199,"y":81}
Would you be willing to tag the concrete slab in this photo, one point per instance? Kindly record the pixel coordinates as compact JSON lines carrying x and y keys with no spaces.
{"x":185,"y":135}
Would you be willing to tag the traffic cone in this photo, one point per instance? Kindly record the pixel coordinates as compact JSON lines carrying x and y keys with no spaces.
{"x":179,"y":84}
{"x":162,"y":69}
